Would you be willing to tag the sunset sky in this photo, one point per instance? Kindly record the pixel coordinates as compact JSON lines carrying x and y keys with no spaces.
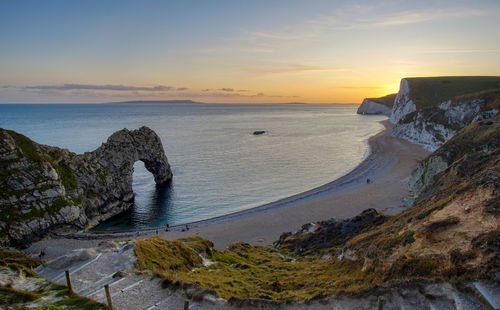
{"x":238,"y":51}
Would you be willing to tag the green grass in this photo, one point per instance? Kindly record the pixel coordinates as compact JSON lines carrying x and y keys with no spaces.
{"x":387,"y":100}
{"x":67,"y":176}
{"x":160,"y":255}
{"x":19,"y":261}
{"x":430,"y":91}
{"x":26,"y":145}
{"x":73,"y":301}
{"x":10,"y":296}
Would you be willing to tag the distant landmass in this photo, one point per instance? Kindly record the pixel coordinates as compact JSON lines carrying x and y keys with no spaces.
{"x":182,"y":101}
{"x":158,"y":101}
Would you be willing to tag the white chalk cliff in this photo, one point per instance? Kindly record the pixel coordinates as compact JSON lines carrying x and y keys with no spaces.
{"x":430,"y":123}
{"x":369,"y":106}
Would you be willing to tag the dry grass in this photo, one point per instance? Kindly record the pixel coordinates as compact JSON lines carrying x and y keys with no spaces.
{"x":25,"y":287}
{"x":243,"y":271}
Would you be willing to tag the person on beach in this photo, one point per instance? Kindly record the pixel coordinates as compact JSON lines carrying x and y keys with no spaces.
{"x":368,"y":181}
{"x":167,"y":227}
{"x":41,"y":256}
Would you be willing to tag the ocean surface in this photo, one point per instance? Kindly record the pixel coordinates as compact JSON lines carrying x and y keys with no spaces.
{"x":219,"y":166}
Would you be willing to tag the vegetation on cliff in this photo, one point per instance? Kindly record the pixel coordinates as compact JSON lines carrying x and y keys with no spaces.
{"x":430,"y":91}
{"x":387,"y":100}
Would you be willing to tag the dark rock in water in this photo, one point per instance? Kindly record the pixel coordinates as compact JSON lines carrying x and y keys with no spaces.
{"x":259,"y":132}
{"x":47,"y":190}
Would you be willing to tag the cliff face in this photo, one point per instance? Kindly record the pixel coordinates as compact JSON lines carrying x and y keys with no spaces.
{"x":429,"y":111}
{"x":480,"y":138}
{"x":46,"y":189}
{"x":382,"y":105}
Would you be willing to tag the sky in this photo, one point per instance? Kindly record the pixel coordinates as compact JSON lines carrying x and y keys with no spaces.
{"x":316,"y":51}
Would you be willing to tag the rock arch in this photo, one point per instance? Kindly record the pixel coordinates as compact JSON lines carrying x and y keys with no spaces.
{"x":48,"y":190}
{"x":125,"y":147}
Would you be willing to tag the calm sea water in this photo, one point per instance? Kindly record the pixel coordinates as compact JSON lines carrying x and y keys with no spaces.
{"x":219,"y":166}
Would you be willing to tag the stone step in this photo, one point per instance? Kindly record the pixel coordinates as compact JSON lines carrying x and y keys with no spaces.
{"x":490,"y":293}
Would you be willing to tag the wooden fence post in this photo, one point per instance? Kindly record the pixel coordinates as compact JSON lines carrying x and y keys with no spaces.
{"x":381,"y":303}
{"x":108,"y":297}
{"x":68,"y":282}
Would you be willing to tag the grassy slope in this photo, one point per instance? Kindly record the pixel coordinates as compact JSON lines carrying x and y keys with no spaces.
{"x":434,"y":239}
{"x":387,"y":100}
{"x":35,"y":292}
{"x":243,"y":271}
{"x":430,"y":91}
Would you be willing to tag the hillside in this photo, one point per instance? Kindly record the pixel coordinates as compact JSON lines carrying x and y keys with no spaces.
{"x":429,"y":111}
{"x":450,"y":235}
{"x":430,"y":91}
{"x":159,"y":102}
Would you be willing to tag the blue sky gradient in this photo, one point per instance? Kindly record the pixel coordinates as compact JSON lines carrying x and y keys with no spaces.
{"x":238,"y":51}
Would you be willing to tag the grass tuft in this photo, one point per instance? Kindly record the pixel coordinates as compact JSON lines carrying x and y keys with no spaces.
{"x":244,"y":271}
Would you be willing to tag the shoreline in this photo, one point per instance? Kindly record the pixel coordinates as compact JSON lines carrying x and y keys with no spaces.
{"x":388,"y":164}
{"x":356,"y":172}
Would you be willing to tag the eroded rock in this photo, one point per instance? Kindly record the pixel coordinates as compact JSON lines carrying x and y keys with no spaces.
{"x":45,"y":189}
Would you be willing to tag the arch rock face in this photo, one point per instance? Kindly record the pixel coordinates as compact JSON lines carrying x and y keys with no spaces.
{"x":45,"y":190}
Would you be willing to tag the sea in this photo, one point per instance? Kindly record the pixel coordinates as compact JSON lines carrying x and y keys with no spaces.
{"x":219,"y":165}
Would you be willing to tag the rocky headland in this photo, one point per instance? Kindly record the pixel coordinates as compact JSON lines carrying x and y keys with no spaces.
{"x":48,"y":190}
{"x":382,"y":105}
{"x":430,"y":111}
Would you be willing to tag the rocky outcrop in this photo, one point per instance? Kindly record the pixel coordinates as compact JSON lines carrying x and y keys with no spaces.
{"x":382,"y":105}
{"x":480,"y":138}
{"x":319,"y":238}
{"x":429,"y":111}
{"x":45,"y":189}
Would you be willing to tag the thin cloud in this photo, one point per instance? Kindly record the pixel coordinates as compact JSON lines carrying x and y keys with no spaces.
{"x":359,"y":87}
{"x":459,"y":51}
{"x":354,"y":17}
{"x":351,"y":18}
{"x":293,"y":68}
{"x":182,"y":88}
{"x":415,"y":17}
{"x":237,"y":95}
{"x":225,"y":89}
{"x":69,"y":87}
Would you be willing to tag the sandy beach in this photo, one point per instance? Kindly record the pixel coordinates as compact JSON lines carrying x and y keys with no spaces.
{"x":388,"y":167}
